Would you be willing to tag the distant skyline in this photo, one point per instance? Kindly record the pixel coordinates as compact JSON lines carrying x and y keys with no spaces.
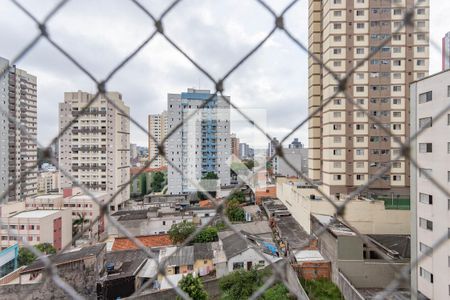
{"x":216,"y":35}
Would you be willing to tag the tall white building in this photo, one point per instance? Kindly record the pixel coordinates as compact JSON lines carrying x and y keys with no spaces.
{"x":202,"y":144}
{"x":157,"y":127}
{"x":430,"y":208}
{"x":446,"y":52}
{"x":18,"y":149}
{"x":96,"y":148}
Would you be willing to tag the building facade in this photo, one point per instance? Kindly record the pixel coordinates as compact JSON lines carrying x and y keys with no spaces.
{"x":446,"y":52}
{"x":18,"y":149}
{"x":36,"y":227}
{"x":96,"y":148}
{"x":157,"y":127}
{"x":48,"y":182}
{"x":297,"y":157}
{"x":430,"y":205}
{"x":234,"y":145}
{"x":202,"y":144}
{"x":347,"y":147}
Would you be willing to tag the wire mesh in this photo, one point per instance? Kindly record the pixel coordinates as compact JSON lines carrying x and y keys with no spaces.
{"x":279,"y":274}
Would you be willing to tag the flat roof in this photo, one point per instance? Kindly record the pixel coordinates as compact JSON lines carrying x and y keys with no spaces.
{"x":308,"y":255}
{"x":49,"y":196}
{"x":83,"y":196}
{"x":39,"y":213}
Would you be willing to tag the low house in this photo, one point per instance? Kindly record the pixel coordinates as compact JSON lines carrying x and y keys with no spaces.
{"x":252,"y":213}
{"x":203,"y":258}
{"x":149,"y":241}
{"x":177,"y":261}
{"x":80,"y":268}
{"x":246,"y":254}
{"x":311,"y":265}
{"x":121,"y":278}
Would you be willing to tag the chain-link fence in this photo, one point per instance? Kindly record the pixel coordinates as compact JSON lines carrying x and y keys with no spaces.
{"x":279,"y":25}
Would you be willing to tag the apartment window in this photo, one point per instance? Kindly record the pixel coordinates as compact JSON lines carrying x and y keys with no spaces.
{"x":359,"y":50}
{"x":420,"y":62}
{"x":360,"y":89}
{"x":396,"y":49}
{"x":397,"y":75}
{"x":448,"y":147}
{"x":359,"y":164}
{"x":421,"y":11}
{"x":420,"y":49}
{"x":396,"y":101}
{"x":426,"y":97}
{"x":360,"y":101}
{"x":423,"y":172}
{"x":396,"y":177}
{"x":448,"y":119}
{"x":360,"y":38}
{"x":425,"y":198}
{"x":360,"y":139}
{"x":337,"y":63}
{"x":448,"y":176}
{"x":337,"y":51}
{"x":396,"y":37}
{"x":359,"y":177}
{"x":425,"y":249}
{"x":425,"y":224}
{"x":360,"y":12}
{"x":338,"y":102}
{"x":397,"y":62}
{"x":397,"y":11}
{"x":337,"y":152}
{"x":337,"y":26}
{"x":337,"y":114}
{"x":426,"y":275}
{"x":360,"y":25}
{"x":337,"y":164}
{"x":425,"y":122}
{"x":337,"y":13}
{"x":396,"y":126}
{"x":397,"y":88}
{"x":337,"y":177}
{"x":396,"y":165}
{"x":337,"y":38}
{"x":397,"y":114}
{"x":421,"y":37}
{"x":425,"y":147}
{"x":337,"y":1}
{"x":359,"y":152}
{"x":337,"y":126}
{"x":337,"y":139}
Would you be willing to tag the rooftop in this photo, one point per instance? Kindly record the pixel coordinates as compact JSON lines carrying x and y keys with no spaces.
{"x":67,"y":257}
{"x":38,"y":213}
{"x":203,"y":251}
{"x":178,"y":256}
{"x":292,"y":232}
{"x":258,"y":228}
{"x":335,"y":226}
{"x":308,"y":255}
{"x":124,"y":263}
{"x":394,"y":244}
{"x":148,"y":241}
{"x":48,"y":196}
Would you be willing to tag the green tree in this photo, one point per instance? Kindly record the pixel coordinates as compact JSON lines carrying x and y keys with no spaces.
{"x":250,"y":164}
{"x":143,"y":183}
{"x":239,"y":196}
{"x":78,"y":224}
{"x":234,"y":212}
{"x":241,"y":284}
{"x":26,"y":256}
{"x":158,"y":182}
{"x":208,"y":234}
{"x":193,"y":286}
{"x":321,"y":289}
{"x":180,"y":231}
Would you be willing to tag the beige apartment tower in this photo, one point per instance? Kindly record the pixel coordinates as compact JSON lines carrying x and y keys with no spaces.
{"x":346,"y":147}
{"x":96,"y":148}
{"x":157,"y":127}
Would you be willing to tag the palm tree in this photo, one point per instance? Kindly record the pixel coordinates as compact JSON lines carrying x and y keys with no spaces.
{"x":78,"y":224}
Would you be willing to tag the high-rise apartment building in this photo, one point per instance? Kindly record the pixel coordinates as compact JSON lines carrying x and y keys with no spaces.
{"x":96,"y":148}
{"x":430,"y":208}
{"x":202,"y":144}
{"x":446,"y":52}
{"x":234,"y":145}
{"x":18,"y":148}
{"x":346,"y":147}
{"x":157,"y":127}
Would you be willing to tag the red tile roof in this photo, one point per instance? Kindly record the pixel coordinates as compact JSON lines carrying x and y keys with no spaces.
{"x":147,"y":240}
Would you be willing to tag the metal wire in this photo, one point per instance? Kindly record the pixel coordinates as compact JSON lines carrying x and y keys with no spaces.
{"x":279,"y":274}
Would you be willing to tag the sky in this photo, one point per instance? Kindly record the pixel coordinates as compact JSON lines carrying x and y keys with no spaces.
{"x":271,"y":86}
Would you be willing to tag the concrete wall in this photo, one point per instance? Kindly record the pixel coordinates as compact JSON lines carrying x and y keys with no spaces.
{"x":367,"y":217}
{"x":347,"y":289}
{"x":149,"y":227}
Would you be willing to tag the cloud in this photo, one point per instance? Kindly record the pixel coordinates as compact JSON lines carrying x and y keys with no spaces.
{"x":216,"y":34}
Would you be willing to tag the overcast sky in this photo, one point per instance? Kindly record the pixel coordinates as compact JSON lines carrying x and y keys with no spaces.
{"x":271,"y":85}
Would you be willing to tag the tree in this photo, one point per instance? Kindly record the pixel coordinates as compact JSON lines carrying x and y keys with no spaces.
{"x":209,"y":184}
{"x":181,"y":231}
{"x":234,"y":212}
{"x":193,"y":286}
{"x":208,"y":234}
{"x":158,"y":182}
{"x":239,"y":196}
{"x":78,"y":224}
{"x":250,"y":164}
{"x":277,"y":292}
{"x":241,"y":284}
{"x":26,"y":256}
